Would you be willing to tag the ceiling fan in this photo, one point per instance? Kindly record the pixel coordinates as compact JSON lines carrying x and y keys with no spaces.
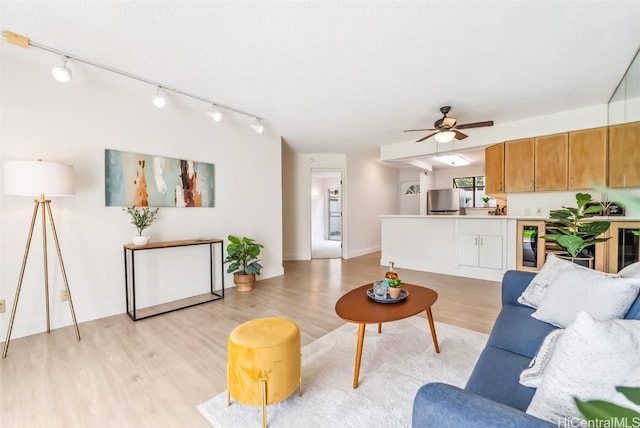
{"x":447,"y":129}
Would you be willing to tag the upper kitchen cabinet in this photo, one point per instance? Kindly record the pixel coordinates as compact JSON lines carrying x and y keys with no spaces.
{"x":519,"y":165}
{"x":624,"y":155}
{"x":494,"y":170}
{"x":587,"y":158}
{"x":551,"y":162}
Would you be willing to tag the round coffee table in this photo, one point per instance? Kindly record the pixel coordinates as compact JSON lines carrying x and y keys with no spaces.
{"x":357,"y":307}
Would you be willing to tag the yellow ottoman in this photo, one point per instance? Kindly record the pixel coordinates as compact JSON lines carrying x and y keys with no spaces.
{"x":264,"y":363}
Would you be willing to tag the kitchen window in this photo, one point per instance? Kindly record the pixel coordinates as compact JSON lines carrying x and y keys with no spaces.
{"x":473,"y":188}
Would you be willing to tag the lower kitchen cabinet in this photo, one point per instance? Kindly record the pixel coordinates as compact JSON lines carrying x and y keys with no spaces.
{"x":480,"y":243}
{"x":480,"y":250}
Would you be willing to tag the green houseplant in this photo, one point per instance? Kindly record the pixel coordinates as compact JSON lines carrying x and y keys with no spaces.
{"x":569,"y":228}
{"x":603,"y":413}
{"x":141,"y":218}
{"x":242,"y":256}
{"x":486,"y":200}
{"x":395,"y":285}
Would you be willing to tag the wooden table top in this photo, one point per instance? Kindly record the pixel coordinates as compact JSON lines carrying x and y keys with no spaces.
{"x":171,"y":244}
{"x":357,"y":307}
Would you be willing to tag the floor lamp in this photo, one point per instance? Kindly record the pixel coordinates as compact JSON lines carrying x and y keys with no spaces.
{"x":37,"y":178}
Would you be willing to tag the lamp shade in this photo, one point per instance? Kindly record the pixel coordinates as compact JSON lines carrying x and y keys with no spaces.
{"x":35,"y":178}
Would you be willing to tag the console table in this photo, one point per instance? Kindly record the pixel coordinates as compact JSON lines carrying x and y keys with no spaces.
{"x":130,"y":273}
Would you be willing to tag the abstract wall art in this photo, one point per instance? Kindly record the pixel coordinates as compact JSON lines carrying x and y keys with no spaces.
{"x":156,"y":181}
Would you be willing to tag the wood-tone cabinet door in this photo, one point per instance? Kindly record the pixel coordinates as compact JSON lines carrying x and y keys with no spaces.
{"x":587,"y":158}
{"x":518,"y":165}
{"x":551,"y":166}
{"x":494,"y":170}
{"x":624,"y":155}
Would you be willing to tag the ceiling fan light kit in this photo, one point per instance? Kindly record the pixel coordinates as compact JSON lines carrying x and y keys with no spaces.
{"x":446,"y":128}
{"x":445,"y":136}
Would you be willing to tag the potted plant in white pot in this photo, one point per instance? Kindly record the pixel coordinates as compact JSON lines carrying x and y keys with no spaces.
{"x":141,"y":218}
{"x":242,"y":256}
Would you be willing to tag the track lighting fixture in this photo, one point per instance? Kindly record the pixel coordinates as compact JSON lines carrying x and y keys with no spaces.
{"x":62,"y":74}
{"x":215,"y":113}
{"x":258,"y":126}
{"x":158,"y":101}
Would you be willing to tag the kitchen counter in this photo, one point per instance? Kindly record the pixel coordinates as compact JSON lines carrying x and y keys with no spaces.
{"x":474,"y":246}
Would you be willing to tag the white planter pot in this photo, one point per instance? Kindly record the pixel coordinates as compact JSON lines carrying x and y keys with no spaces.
{"x":140,"y":240}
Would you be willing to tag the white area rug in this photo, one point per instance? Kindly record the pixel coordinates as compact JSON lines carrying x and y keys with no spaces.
{"x":394,"y":365}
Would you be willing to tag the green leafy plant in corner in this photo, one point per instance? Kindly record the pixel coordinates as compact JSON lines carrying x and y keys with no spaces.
{"x":242,"y":256}
{"x":486,"y":199}
{"x":601,"y":411}
{"x":571,"y":232}
{"x":141,"y":218}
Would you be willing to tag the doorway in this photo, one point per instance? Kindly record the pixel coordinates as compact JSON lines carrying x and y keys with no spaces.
{"x":327,"y":202}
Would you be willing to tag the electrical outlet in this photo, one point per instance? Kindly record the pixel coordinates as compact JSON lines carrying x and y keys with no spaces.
{"x":3,"y":306}
{"x":64,"y":296}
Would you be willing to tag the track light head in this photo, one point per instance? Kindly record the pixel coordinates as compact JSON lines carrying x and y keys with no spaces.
{"x":214,"y":113}
{"x":158,"y":101}
{"x":257,"y":126}
{"x":62,"y":74}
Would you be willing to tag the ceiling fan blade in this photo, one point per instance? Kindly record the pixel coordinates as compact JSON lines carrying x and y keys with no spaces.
{"x":424,"y":138}
{"x":412,"y":130}
{"x":475,"y":125}
{"x":459,"y":135}
{"x":449,"y":122}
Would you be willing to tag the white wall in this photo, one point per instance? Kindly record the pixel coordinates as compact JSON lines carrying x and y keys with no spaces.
{"x":444,"y":177}
{"x":369,"y":190}
{"x":74,"y":123}
{"x":409,"y":204}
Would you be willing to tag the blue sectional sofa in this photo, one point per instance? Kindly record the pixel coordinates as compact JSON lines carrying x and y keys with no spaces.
{"x":493,"y":396}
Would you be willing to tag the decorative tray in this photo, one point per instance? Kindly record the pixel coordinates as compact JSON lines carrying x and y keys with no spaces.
{"x":403,"y":295}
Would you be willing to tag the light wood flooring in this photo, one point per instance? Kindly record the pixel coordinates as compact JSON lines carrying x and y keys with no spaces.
{"x":153,"y":373}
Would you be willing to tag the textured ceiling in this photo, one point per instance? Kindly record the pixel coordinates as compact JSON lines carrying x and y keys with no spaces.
{"x":343,"y":77}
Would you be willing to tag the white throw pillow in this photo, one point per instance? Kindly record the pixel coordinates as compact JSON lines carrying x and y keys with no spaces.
{"x":534,"y":293}
{"x":590,"y":359}
{"x":532,"y":375}
{"x":572,"y":292}
{"x":631,"y":271}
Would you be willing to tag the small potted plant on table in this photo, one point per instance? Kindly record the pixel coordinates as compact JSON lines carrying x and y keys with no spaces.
{"x":242,"y":256}
{"x":395,"y":286}
{"x":141,"y":218}
{"x":485,"y":200}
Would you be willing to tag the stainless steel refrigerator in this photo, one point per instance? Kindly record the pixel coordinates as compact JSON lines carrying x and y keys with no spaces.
{"x":445,"y":202}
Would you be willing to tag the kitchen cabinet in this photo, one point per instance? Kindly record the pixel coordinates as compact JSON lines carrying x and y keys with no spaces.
{"x":480,"y":243}
{"x":494,"y":170}
{"x":551,"y":162}
{"x":624,"y":155}
{"x":587,"y":158}
{"x":519,"y":165}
